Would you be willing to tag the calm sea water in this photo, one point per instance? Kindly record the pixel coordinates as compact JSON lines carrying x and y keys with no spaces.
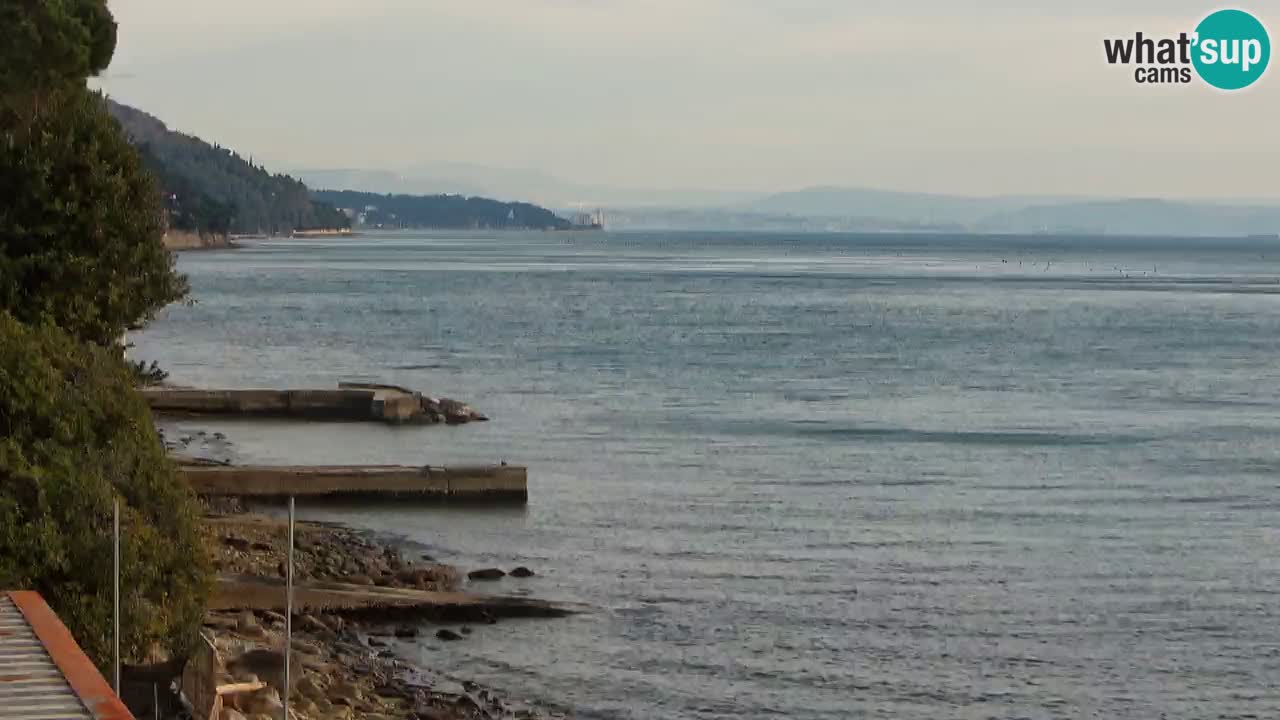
{"x":818,"y":476}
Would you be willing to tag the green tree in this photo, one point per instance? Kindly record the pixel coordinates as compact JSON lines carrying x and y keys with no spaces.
{"x":74,"y":435}
{"x":81,"y":224}
{"x":52,"y":43}
{"x":80,"y":261}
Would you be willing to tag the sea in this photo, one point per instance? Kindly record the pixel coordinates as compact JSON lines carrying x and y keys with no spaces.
{"x":810,"y":476}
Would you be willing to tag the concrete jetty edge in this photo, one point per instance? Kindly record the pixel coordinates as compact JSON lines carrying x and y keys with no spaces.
{"x":490,"y":483}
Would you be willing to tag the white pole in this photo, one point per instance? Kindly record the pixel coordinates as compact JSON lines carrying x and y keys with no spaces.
{"x":288,"y":613}
{"x":116,"y":602}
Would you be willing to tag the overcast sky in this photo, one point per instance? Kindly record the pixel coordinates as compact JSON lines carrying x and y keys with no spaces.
{"x":962,"y":96}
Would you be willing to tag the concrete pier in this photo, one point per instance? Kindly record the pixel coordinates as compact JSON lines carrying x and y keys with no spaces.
{"x":496,"y":483}
{"x":350,"y":401}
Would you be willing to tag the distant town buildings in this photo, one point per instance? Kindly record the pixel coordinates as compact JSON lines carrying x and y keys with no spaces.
{"x":588,"y":220}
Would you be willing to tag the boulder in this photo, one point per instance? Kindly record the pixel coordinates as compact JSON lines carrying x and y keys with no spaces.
{"x":406,"y":632}
{"x":310,"y":689}
{"x":268,"y":665}
{"x":345,"y":693}
{"x":457,"y":413}
{"x":265,"y":702}
{"x":394,"y":691}
{"x":311,"y":623}
{"x":486,"y":574}
{"x":447,"y":635}
{"x":305,"y":647}
{"x":522,"y":572}
{"x":247,"y":624}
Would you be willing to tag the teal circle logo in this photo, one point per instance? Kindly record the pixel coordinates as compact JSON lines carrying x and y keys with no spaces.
{"x":1232,"y":49}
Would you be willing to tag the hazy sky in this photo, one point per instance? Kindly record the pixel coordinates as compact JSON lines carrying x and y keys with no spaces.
{"x":964,"y":96}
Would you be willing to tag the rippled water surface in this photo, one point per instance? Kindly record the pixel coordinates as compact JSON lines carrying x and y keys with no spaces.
{"x":816,"y":476}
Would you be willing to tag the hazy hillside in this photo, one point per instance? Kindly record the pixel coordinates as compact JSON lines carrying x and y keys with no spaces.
{"x":1027,"y":214}
{"x":1138,"y":217}
{"x":213,"y":189}
{"x":722,"y":219}
{"x":441,"y":211}
{"x":511,"y":184}
{"x":889,"y":204}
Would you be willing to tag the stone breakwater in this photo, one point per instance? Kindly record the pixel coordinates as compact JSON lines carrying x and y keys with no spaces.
{"x":350,"y":401}
{"x":492,"y":483}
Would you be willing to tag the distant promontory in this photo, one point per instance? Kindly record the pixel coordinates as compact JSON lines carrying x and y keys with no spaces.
{"x":454,"y":212}
{"x":212,"y":193}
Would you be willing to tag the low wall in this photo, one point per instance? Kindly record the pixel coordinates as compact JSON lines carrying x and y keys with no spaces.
{"x":328,"y":404}
{"x":383,"y":403}
{"x":489,"y":482}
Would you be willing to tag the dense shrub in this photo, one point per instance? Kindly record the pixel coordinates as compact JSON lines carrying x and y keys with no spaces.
{"x":81,"y":225}
{"x":74,"y":435}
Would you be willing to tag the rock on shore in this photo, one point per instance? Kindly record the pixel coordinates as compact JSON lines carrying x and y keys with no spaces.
{"x":254,"y":545}
{"x":452,"y":412}
{"x":338,"y":669}
{"x":175,"y":239}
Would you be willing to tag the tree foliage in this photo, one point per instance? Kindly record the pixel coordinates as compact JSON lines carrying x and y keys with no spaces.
{"x":81,"y":224}
{"x":52,"y":43}
{"x":81,"y":259}
{"x":73,"y":436}
{"x":443,"y":211}
{"x":210,"y":185}
{"x":188,"y":207}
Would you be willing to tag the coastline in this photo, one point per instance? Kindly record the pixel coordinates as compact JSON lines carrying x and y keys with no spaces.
{"x":350,"y":662}
{"x":356,"y":657}
{"x":185,"y":240}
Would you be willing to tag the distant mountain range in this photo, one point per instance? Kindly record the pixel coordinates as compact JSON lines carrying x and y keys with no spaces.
{"x":825,"y":208}
{"x":1030,"y":214}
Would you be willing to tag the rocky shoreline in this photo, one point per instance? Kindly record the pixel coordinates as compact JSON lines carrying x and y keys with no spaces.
{"x":345,"y":663}
{"x":176,"y":240}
